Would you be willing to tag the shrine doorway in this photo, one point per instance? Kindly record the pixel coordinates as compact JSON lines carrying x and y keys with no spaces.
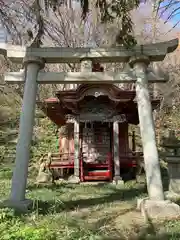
{"x":96,"y":141}
{"x":96,"y":149}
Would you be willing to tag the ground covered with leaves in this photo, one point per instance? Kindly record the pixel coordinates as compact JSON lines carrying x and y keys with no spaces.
{"x":86,"y":211}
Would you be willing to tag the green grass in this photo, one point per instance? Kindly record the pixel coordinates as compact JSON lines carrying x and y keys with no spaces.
{"x":82,"y":212}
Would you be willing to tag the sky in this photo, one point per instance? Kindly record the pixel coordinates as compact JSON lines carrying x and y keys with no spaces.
{"x":2,"y":35}
{"x":176,"y":17}
{"x":174,"y":20}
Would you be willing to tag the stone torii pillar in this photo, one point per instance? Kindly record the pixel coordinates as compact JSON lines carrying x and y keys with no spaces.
{"x":20,"y":173}
{"x":116,"y":154}
{"x":76,"y":177}
{"x":151,"y":160}
{"x":155,"y":205}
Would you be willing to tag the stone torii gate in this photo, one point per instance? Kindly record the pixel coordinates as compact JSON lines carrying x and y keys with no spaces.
{"x":137,"y":59}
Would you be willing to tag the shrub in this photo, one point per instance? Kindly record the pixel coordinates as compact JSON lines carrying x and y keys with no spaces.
{"x":13,"y":227}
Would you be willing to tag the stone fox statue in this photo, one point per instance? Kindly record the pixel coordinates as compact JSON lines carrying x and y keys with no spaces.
{"x":45,"y":173}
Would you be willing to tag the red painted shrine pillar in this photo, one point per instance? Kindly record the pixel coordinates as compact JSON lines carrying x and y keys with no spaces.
{"x":123,"y":139}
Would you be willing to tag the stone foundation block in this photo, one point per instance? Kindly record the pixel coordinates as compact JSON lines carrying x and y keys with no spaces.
{"x":172,"y":196}
{"x":158,"y":209}
{"x":118,"y":180}
{"x":73,"y":179}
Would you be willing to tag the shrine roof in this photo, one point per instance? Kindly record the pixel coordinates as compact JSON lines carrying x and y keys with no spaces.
{"x":112,"y":91}
{"x":70,"y":101}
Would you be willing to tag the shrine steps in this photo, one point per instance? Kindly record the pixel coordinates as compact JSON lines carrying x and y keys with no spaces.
{"x":98,"y":172}
{"x":96,"y":178}
{"x":97,"y":175}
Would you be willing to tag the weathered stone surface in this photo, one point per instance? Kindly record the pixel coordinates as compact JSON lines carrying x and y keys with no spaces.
{"x":172,"y":156}
{"x":43,"y":177}
{"x":81,"y":77}
{"x":174,"y":185}
{"x":73,"y":179}
{"x":118,"y":180}
{"x":86,"y":66}
{"x":31,"y":59}
{"x":150,"y":151}
{"x":156,"y":52}
{"x":20,"y":173}
{"x":76,"y":151}
{"x":174,"y":173}
{"x":158,"y":209}
{"x":172,"y":196}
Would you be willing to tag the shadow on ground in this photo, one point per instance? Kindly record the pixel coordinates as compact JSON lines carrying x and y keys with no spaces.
{"x":149,"y":231}
{"x":44,"y":207}
{"x":51,"y":186}
{"x":146,"y":236}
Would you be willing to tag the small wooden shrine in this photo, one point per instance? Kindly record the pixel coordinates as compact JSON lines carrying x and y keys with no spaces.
{"x":93,"y":125}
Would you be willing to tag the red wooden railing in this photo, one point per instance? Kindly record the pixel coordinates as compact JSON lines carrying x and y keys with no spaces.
{"x":66,"y":161}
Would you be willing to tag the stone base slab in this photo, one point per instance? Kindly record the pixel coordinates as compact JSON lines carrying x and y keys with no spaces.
{"x":172,"y":196}
{"x":118,"y":180}
{"x":158,"y":209}
{"x":23,"y":206}
{"x":73,"y":179}
{"x":43,"y":178}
